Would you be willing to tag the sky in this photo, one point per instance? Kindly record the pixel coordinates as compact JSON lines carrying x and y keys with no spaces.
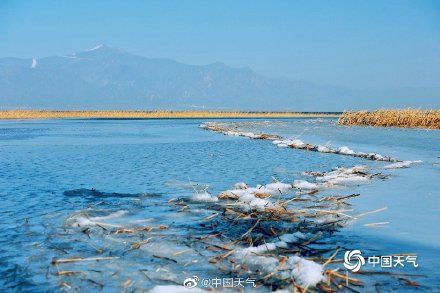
{"x":359,"y":44}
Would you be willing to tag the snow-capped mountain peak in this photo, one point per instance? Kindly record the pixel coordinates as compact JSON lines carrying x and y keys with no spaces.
{"x":97,"y":47}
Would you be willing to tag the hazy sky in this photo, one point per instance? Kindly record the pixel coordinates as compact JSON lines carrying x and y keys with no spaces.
{"x":351,"y":43}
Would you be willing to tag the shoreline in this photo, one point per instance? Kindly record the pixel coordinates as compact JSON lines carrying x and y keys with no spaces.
{"x":158,"y":114}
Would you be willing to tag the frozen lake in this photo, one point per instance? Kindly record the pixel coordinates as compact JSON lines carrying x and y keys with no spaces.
{"x":53,"y":169}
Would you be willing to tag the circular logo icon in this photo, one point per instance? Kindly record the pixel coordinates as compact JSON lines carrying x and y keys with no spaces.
{"x":191,"y":282}
{"x":353,"y":260}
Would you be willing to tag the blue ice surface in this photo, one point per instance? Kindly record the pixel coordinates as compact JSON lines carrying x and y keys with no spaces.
{"x":42,"y":159}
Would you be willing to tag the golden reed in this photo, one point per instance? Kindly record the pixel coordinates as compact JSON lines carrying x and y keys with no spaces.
{"x":48,"y":114}
{"x":408,"y":118}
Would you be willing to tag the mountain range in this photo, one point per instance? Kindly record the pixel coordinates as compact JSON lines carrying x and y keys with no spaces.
{"x":108,"y":78}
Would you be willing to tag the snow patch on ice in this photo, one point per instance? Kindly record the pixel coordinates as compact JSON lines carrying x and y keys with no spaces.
{"x":305,"y":272}
{"x":289,"y":142}
{"x":345,"y":150}
{"x":336,"y":178}
{"x":256,"y":198}
{"x":399,"y":165}
{"x":82,"y":220}
{"x":278,"y":186}
{"x":240,"y":185}
{"x":34,"y":63}
{"x":204,"y":197}
{"x":324,"y":149}
{"x":345,"y":176}
{"x":306,"y":185}
{"x":293,"y":237}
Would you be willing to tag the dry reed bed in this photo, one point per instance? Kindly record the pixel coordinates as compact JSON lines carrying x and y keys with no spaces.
{"x":47,"y":114}
{"x":408,"y":118}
